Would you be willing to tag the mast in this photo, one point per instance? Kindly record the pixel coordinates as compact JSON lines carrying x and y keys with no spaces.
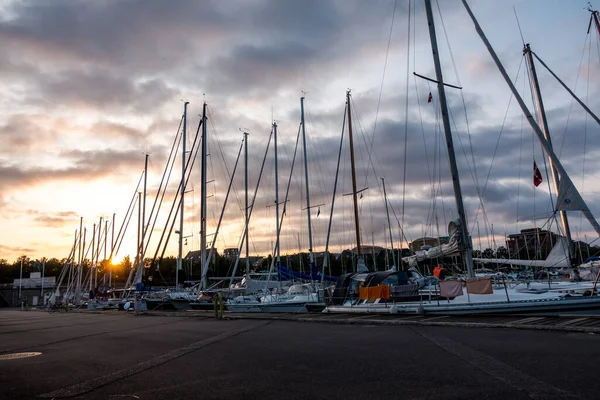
{"x":112,"y":247}
{"x":98,"y":252}
{"x":310,"y":241}
{"x":387,"y":211}
{"x":139,"y":254}
{"x":93,"y":254}
{"x":105,"y":244}
{"x":594,"y":16}
{"x":574,"y":197}
{"x":546,"y":131}
{"x":79,"y":283}
{"x":246,"y":203}
{"x":465,"y":240}
{"x":354,"y":191}
{"x":337,"y":173}
{"x":276,"y":202}
{"x":212,"y":248}
{"x":203,"y":196}
{"x":181,"y":209}
{"x":80,"y":264}
{"x":143,"y":222}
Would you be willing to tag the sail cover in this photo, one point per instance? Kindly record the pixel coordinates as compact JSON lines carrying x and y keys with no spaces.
{"x":449,"y":249}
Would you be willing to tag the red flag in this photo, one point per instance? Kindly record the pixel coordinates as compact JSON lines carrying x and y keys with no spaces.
{"x":537,"y":175}
{"x":430,"y":98}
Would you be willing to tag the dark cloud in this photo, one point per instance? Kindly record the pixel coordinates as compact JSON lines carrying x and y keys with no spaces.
{"x":16,"y":249}
{"x":53,"y":219}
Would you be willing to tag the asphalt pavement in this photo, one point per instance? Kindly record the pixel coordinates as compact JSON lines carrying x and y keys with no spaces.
{"x":121,"y":356}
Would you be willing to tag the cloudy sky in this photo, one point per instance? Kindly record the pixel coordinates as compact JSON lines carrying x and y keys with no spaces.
{"x":88,"y":88}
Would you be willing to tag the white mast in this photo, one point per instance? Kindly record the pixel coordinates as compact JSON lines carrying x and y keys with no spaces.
{"x":181,"y":208}
{"x":93,"y":255}
{"x":276,"y":203}
{"x":246,"y":203}
{"x":546,"y":132}
{"x":465,"y":239}
{"x":311,"y":259}
{"x":387,"y":211}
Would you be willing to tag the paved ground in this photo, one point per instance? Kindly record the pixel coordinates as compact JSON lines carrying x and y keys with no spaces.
{"x":117,"y":355}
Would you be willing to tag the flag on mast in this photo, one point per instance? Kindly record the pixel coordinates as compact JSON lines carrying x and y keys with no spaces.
{"x":429,"y":98}
{"x":537,"y":175}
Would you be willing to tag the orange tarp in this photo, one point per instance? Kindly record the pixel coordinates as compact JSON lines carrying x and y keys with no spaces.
{"x":479,"y":286}
{"x":375,"y":292}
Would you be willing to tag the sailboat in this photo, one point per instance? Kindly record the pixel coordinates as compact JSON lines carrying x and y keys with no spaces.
{"x":395,"y":293}
{"x":297,"y":297}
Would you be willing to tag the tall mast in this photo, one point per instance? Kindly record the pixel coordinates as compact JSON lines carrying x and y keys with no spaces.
{"x":181,"y":209}
{"x":353,"y":168}
{"x":212,"y":248}
{"x":594,"y":16}
{"x":546,"y":132}
{"x":98,"y":252}
{"x":203,"y":202}
{"x":465,"y":240}
{"x":246,"y":204}
{"x":80,"y":277}
{"x":276,"y":196}
{"x":93,"y":255}
{"x":105,"y":244}
{"x":310,"y":242}
{"x":337,"y":173}
{"x":570,"y":189}
{"x":139,"y":254}
{"x":112,"y":247}
{"x":143,"y":222}
{"x":387,"y":211}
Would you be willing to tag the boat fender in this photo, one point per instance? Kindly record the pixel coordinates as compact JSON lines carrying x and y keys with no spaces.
{"x":420,"y":310}
{"x":393,"y":309}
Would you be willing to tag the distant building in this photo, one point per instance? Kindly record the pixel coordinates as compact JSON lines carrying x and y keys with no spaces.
{"x":231,"y":253}
{"x":30,"y":290}
{"x":532,"y":242}
{"x":193,"y":256}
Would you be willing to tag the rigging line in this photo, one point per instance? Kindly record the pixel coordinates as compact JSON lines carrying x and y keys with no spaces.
{"x":519,"y":25}
{"x":572,"y":99}
{"x":171,"y":161}
{"x":222,"y":154}
{"x":189,"y":164}
{"x":520,"y":163}
{"x":406,"y":93}
{"x":369,"y":159}
{"x":469,"y":136}
{"x":587,"y":98}
{"x":382,"y":80}
{"x":487,"y":179}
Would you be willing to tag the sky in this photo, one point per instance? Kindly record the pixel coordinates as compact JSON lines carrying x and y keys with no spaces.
{"x":88,"y":88}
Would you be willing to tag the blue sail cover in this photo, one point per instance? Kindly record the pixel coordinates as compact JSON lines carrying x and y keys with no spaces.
{"x":286,"y":274}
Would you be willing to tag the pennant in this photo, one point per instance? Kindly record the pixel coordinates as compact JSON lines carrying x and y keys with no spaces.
{"x":429,"y":98}
{"x":537,"y":175}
